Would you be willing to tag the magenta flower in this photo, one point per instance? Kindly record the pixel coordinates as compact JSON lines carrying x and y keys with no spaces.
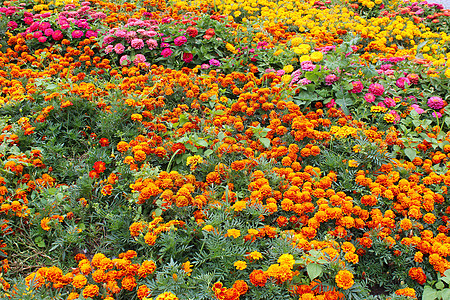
{"x":37,"y":34}
{"x":369,"y":97}
{"x":402,"y":81}
{"x":330,"y":79}
{"x":357,"y":87}
{"x":376,"y":89}
{"x":389,"y":102}
{"x":330,"y":104}
{"x":48,"y":32}
{"x":180,"y":41}
{"x":42,"y":39}
{"x":12,"y":25}
{"x":187,"y":57}
{"x":435,"y":102}
{"x":119,"y":48}
{"x":77,"y":34}
{"x":304,"y":81}
{"x":436,"y":114}
{"x":57,"y":35}
{"x":166,"y":52}
{"x":214,"y":63}
{"x":397,"y":117}
{"x":91,"y":33}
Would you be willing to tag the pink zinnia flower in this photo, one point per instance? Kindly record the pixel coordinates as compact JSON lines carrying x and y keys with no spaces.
{"x":137,"y":43}
{"x":357,"y":87}
{"x":109,"y":49}
{"x":166,"y":52}
{"x":402,"y":81}
{"x":307,"y":66}
{"x":139,"y":58}
{"x":42,"y":39}
{"x":435,"y":102}
{"x":37,"y":34}
{"x":119,"y":48}
{"x":57,"y":35}
{"x":124,"y":61}
{"x":376,"y":89}
{"x":330,"y":104}
{"x":389,"y":102}
{"x":91,"y":33}
{"x":436,"y":114}
{"x":152,"y":44}
{"x":369,"y":97}
{"x":330,"y":78}
{"x":187,"y":57}
{"x":418,"y":109}
{"x":77,"y":34}
{"x":180,"y":41}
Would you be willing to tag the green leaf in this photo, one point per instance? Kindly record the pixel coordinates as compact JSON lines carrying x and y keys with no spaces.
{"x":439,"y":285}
{"x":314,"y":270}
{"x":158,"y":212}
{"x":39,"y":242}
{"x":445,"y":294}
{"x":265,"y":142}
{"x":208,"y":152}
{"x":410,"y":153}
{"x":311,"y":76}
{"x":202,"y":143}
{"x":446,"y":277}
{"x":429,"y":293}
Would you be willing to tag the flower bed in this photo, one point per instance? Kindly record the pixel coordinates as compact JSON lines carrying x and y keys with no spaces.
{"x":239,"y":150}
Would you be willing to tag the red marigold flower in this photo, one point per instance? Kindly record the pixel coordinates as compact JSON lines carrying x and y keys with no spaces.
{"x":104,"y":142}
{"x":99,"y":167}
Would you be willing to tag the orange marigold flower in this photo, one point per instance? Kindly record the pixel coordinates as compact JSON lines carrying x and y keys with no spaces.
{"x":143,"y":291}
{"x":136,"y":228}
{"x":241,"y":286}
{"x":90,"y":291}
{"x":79,"y":281}
{"x":344,"y":279}
{"x":255,"y":255}
{"x":128,"y":283}
{"x":44,"y":224}
{"x":258,"y":278}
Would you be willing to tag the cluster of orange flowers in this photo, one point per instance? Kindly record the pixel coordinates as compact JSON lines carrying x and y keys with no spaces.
{"x":100,"y":275}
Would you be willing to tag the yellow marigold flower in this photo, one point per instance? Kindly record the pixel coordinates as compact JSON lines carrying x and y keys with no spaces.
{"x":353,"y":163}
{"x":166,"y":296}
{"x":239,"y":205}
{"x":208,"y":228}
{"x":255,"y":255}
{"x":187,"y":267}
{"x":344,"y":279}
{"x":234,"y":233}
{"x":316,"y":56}
{"x":376,"y":108}
{"x":240,"y":265}
{"x":286,"y":259}
{"x":194,"y":161}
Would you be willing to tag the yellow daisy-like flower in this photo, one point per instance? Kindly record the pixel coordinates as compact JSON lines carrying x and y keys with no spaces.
{"x":240,"y":265}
